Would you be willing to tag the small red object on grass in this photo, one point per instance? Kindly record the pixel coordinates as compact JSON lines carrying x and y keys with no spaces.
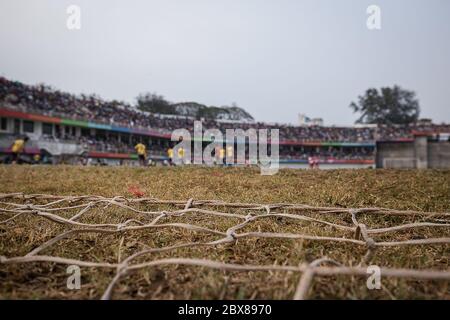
{"x":136,"y":191}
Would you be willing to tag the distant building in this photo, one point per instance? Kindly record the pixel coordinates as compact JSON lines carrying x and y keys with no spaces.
{"x":307,"y":121}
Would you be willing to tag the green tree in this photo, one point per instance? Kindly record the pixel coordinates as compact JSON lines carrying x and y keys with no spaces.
{"x":387,"y":106}
{"x":152,"y":102}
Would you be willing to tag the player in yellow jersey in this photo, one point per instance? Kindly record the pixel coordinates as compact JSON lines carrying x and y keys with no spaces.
{"x":230,"y":155}
{"x":36,"y":158}
{"x":17,"y":148}
{"x":142,"y":153}
{"x":221,"y":155}
{"x":181,"y":154}
{"x":170,"y":155}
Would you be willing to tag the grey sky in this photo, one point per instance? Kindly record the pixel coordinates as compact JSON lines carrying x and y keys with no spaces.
{"x":274,"y":58}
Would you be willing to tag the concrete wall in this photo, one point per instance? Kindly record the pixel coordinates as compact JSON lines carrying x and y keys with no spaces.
{"x":395,"y":155}
{"x":438,"y":154}
{"x":420,"y":154}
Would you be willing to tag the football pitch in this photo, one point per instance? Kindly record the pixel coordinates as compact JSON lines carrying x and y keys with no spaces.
{"x":223,"y":233}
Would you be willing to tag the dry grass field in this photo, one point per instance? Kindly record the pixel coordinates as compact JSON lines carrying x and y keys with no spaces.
{"x":427,"y":191}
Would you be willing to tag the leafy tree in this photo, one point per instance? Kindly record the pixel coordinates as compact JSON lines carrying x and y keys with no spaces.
{"x":387,"y":106}
{"x":152,"y":102}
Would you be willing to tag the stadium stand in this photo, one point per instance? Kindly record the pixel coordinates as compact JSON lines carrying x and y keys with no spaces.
{"x":110,"y":129}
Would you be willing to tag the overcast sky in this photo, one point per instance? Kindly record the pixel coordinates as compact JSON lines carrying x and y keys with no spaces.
{"x":274,"y":58}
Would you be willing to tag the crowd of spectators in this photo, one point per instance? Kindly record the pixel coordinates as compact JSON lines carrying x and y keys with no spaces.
{"x":105,"y":144}
{"x":45,"y":100}
{"x":310,"y":133}
{"x":399,"y":132}
{"x":351,"y":153}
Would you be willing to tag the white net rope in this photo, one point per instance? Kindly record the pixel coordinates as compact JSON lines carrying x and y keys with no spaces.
{"x":55,"y":209}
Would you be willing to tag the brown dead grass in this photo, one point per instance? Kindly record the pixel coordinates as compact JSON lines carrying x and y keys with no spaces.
{"x":415,"y":190}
